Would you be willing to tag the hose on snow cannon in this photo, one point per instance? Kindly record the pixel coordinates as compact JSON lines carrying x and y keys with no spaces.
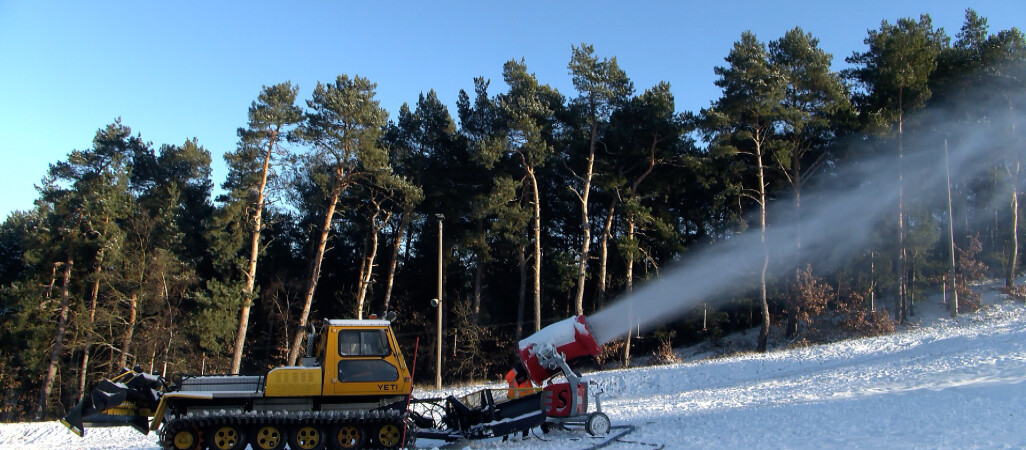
{"x":545,"y":352}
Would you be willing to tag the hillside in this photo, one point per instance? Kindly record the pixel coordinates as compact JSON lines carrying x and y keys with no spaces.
{"x":936,"y":383}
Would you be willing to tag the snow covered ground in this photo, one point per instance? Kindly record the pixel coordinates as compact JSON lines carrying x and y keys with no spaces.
{"x":941,"y":383}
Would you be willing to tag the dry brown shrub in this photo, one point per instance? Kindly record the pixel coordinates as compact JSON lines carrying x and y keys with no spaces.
{"x":800,"y":343}
{"x":664,"y":352}
{"x":879,"y":323}
{"x":859,"y":320}
{"x":969,"y":269}
{"x":1017,"y":292}
{"x":480,"y":352}
{"x":809,"y":299}
{"x":611,"y":351}
{"x":968,"y":300}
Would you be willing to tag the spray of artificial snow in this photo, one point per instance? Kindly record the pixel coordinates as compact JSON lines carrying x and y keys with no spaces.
{"x":839,"y":216}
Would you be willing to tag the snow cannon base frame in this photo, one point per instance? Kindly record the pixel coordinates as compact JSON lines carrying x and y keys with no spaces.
{"x":545,"y":354}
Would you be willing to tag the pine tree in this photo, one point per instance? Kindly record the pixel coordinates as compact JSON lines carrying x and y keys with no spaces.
{"x":479,"y":126}
{"x":893,"y":74}
{"x":643,"y":140}
{"x":526,"y":113}
{"x":271,"y":119}
{"x":815,"y":101}
{"x":342,"y":126}
{"x":84,"y":197}
{"x":984,"y":69}
{"x":425,"y":151}
{"x":743,"y":122}
{"x":601,"y":86}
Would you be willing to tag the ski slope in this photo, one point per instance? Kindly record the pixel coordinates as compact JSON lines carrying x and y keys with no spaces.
{"x":941,"y":383}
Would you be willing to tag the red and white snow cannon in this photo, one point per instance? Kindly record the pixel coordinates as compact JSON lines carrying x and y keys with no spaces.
{"x":547,"y":354}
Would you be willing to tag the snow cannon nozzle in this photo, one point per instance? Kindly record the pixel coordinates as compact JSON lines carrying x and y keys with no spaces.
{"x":566,"y":340}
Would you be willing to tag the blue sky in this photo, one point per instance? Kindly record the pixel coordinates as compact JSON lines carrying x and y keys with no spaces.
{"x":178,"y":70}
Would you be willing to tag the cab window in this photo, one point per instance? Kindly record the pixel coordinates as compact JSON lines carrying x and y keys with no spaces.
{"x":366,"y":370}
{"x":363,"y":343}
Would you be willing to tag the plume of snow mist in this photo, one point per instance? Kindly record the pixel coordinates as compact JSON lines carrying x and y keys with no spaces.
{"x":838,"y":217}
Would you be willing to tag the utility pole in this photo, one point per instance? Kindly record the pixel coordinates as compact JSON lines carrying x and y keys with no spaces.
{"x":951,"y":235}
{"x":438,"y":340}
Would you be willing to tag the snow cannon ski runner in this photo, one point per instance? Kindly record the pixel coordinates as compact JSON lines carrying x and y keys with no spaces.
{"x":550,"y":352}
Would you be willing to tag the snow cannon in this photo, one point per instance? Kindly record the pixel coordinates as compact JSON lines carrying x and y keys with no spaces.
{"x":563,"y":341}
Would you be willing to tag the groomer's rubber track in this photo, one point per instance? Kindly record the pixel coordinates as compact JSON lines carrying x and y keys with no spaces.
{"x":369,"y":423}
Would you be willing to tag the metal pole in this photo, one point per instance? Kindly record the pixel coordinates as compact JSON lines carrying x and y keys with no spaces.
{"x":705,"y":316}
{"x":438,"y":340}
{"x":951,"y":235}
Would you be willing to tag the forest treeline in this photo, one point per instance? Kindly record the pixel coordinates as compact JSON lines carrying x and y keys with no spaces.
{"x":548,"y":204}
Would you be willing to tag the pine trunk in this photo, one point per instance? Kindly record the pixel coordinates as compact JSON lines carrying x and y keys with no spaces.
{"x":406,"y":251}
{"x":478,"y":281}
{"x":631,"y":231}
{"x":522,"y":295}
{"x":254,"y":252}
{"x":607,"y":232}
{"x":765,"y":328}
{"x":367,"y":267}
{"x":899,"y":313}
{"x":792,"y":323}
{"x":630,"y":289}
{"x":126,"y":340}
{"x":58,"y":343}
{"x":368,"y":276}
{"x":396,"y":245}
{"x":582,"y":269}
{"x":872,"y":281}
{"x":1014,"y":259}
{"x":83,"y":371}
{"x":1013,"y":265}
{"x":764,"y":331}
{"x":796,"y":184}
{"x":315,"y":275}
{"x":796,"y":180}
{"x":536,"y":220}
{"x":94,"y":294}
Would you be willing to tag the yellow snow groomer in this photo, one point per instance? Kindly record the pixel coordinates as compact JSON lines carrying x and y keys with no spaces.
{"x":352,"y":393}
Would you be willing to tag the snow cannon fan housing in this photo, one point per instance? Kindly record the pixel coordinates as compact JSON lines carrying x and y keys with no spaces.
{"x":569,"y":339}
